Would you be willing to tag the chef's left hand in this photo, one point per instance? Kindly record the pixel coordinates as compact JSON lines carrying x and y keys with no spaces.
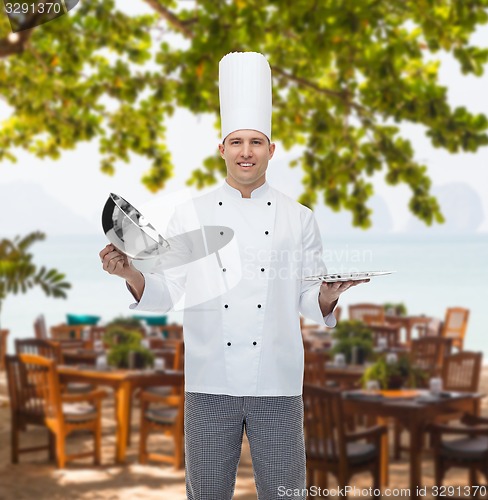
{"x":330,"y":293}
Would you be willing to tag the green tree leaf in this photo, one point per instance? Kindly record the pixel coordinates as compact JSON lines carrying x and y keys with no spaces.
{"x":19,"y":274}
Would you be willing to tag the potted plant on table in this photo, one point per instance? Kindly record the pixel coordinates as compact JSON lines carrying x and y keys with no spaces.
{"x":124,"y":346}
{"x":354,"y":339}
{"x":395,"y":373}
{"x":125,"y":323}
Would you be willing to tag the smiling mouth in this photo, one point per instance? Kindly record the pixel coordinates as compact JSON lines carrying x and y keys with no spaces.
{"x":246,"y":164}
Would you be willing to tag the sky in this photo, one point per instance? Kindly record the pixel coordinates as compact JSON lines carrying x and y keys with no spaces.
{"x":54,"y":195}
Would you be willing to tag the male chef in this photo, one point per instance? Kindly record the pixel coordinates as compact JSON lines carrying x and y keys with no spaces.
{"x":243,"y":347}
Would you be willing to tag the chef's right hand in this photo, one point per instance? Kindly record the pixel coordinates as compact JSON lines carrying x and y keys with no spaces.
{"x":116,"y":262}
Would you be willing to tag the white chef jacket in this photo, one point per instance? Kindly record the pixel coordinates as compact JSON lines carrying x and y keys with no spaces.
{"x":247,"y":341}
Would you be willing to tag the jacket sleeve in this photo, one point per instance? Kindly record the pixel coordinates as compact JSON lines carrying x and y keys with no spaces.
{"x":164,"y":287}
{"x":312,"y":265}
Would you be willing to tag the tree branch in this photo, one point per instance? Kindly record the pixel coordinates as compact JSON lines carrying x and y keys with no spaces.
{"x":14,"y":43}
{"x":345,"y":95}
{"x":170,"y":17}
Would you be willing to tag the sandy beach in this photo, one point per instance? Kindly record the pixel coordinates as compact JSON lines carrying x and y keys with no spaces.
{"x":37,"y":478}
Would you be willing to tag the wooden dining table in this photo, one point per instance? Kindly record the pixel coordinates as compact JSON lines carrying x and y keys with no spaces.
{"x":346,"y":376}
{"x":123,"y":383}
{"x":414,"y":410}
{"x":89,"y":356}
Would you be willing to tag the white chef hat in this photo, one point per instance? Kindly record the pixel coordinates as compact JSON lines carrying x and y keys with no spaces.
{"x":245,"y":93}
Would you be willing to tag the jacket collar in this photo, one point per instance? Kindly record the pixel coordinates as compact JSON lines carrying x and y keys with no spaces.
{"x":256,"y":193}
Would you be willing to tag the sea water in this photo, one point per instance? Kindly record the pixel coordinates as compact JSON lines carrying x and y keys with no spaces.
{"x":432,"y":273}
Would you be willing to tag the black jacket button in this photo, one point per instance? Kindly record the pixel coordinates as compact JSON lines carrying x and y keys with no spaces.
{"x":226,"y":306}
{"x":266,"y":232}
{"x":262,"y":269}
{"x":259,"y":306}
{"x":254,"y":343}
{"x":269,"y":203}
{"x":229,"y":344}
{"x":220,"y":203}
{"x":224,"y":269}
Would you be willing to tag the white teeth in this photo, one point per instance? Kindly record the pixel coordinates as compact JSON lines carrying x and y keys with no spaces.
{"x":245,"y":164}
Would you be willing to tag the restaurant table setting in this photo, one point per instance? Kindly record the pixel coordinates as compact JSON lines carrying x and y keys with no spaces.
{"x":414,"y":409}
{"x":123,"y":382}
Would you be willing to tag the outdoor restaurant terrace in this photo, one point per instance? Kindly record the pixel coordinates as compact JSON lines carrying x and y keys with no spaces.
{"x":385,"y":390}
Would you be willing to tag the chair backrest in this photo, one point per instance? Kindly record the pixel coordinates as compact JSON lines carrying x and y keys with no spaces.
{"x":375,"y":313}
{"x":16,"y":381}
{"x":31,"y":387}
{"x":314,"y":370}
{"x":324,"y":423}
{"x":65,"y":332}
{"x":174,"y":344}
{"x":461,"y":371}
{"x":173,"y":331}
{"x":45,"y":348}
{"x":42,"y":393}
{"x":455,"y":325}
{"x":97,"y":332}
{"x":40,"y":328}
{"x":428,"y":353}
{"x":3,"y":347}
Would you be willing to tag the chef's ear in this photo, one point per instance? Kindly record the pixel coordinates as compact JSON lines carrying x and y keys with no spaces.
{"x":221,"y":149}
{"x":272,"y":148}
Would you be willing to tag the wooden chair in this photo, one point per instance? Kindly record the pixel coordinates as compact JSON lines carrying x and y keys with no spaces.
{"x":329,"y":447}
{"x":172,"y":331}
{"x":375,"y":313}
{"x":432,"y":328}
{"x":40,"y":331}
{"x":96,"y":333}
{"x":3,"y":348}
{"x":163,"y":413}
{"x":428,"y":354}
{"x":40,"y":347}
{"x":389,"y":332}
{"x":468,"y":450}
{"x":177,"y":348}
{"x":314,"y":369}
{"x":50,"y":350}
{"x":461,"y":371}
{"x":175,"y":345}
{"x":23,"y":412}
{"x":36,"y":399}
{"x":455,"y":325}
{"x":68,"y":333}
{"x":40,"y":328}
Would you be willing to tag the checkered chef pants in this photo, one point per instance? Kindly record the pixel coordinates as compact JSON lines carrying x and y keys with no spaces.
{"x":214,"y":425}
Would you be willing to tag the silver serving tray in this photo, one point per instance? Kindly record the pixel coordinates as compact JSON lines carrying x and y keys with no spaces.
{"x":335,"y":277}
